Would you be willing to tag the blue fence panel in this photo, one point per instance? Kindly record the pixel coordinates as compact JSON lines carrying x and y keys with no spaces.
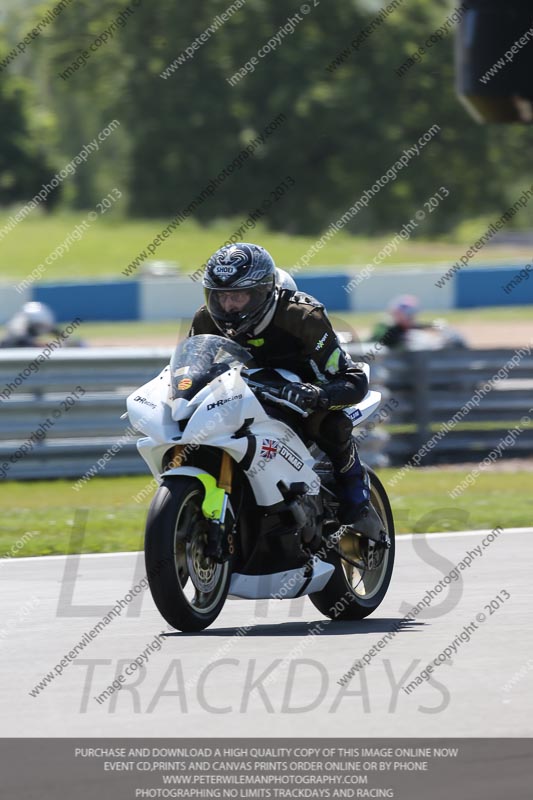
{"x":497,"y":286}
{"x":107,"y":300}
{"x":327,"y":288}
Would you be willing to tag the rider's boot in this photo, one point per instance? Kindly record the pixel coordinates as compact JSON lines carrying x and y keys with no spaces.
{"x":353,"y":493}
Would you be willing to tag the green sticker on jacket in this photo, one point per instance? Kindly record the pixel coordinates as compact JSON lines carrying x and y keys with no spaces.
{"x":332,"y":364}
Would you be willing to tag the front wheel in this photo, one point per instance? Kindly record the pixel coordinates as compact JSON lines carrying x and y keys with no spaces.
{"x":188,"y":588}
{"x":354,"y":592}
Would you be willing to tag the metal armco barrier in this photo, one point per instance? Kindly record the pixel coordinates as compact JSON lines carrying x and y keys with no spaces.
{"x":422,"y":390}
{"x":82,"y":434}
{"x":433,"y":387}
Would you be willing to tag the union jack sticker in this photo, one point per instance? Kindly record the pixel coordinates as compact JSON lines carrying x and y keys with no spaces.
{"x":269,"y":449}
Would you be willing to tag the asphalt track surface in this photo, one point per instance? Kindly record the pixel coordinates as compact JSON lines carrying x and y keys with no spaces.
{"x":277,"y":680}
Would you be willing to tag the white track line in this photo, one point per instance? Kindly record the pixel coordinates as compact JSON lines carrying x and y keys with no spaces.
{"x":402,"y":537}
{"x":71,"y":555}
{"x":451,"y":534}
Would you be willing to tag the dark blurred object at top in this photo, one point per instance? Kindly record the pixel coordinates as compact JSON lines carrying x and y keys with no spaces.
{"x":494,"y":60}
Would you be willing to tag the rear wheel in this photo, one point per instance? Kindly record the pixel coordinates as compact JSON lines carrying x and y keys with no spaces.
{"x":359,"y":584}
{"x":188,"y":588}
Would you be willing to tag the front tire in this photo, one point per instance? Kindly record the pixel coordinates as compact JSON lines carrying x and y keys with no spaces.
{"x":353,"y":593}
{"x":188,"y":588}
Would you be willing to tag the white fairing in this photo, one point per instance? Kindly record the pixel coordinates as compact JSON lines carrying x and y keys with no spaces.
{"x":278,"y":453}
{"x":226,"y":414}
{"x":149,"y":408}
{"x":216,"y":412}
{"x":281,"y":585}
{"x":364,"y":409}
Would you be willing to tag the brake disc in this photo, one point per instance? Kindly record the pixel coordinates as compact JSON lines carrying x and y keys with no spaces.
{"x":202,"y":570}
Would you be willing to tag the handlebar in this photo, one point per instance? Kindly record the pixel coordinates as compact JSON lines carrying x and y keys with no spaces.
{"x":272,"y":394}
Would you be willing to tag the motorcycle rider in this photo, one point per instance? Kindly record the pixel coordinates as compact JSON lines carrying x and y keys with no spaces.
{"x":246,"y":300}
{"x":29,"y":325}
{"x":396,"y":331}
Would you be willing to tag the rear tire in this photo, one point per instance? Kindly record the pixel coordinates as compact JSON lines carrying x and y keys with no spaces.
{"x":351,"y":593}
{"x":188,"y":589}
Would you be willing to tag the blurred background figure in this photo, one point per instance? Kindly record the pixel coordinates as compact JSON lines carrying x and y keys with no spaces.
{"x":402,"y":330}
{"x":32,"y":326}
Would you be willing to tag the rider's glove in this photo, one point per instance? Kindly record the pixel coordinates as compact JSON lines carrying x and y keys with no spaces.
{"x":305,"y":395}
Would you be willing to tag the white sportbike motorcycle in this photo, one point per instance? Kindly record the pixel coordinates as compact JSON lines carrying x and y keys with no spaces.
{"x":245,"y":506}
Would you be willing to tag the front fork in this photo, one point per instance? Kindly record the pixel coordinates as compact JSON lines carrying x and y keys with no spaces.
{"x":220,"y":544}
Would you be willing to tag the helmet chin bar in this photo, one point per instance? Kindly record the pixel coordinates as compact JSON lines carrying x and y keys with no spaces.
{"x":240,"y":324}
{"x":233,"y":323}
{"x":232,"y":328}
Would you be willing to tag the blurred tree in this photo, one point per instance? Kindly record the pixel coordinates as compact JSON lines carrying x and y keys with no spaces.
{"x":348,"y":114}
{"x":85,"y":100}
{"x":183,"y":129}
{"x":23,"y":163}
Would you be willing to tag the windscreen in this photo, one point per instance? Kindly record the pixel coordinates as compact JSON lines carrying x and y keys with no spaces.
{"x":200,"y":359}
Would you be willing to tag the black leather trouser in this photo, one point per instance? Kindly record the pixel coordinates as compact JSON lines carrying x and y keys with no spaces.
{"x":332,"y":431}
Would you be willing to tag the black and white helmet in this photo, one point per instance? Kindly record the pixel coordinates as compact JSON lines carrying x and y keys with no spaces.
{"x":240,"y":287}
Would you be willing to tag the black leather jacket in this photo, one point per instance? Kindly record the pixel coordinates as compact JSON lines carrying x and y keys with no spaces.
{"x":300,"y":338}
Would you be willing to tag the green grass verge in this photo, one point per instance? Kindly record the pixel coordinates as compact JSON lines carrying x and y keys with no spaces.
{"x":421,"y":502}
{"x":111,"y":243}
{"x":44,"y":512}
